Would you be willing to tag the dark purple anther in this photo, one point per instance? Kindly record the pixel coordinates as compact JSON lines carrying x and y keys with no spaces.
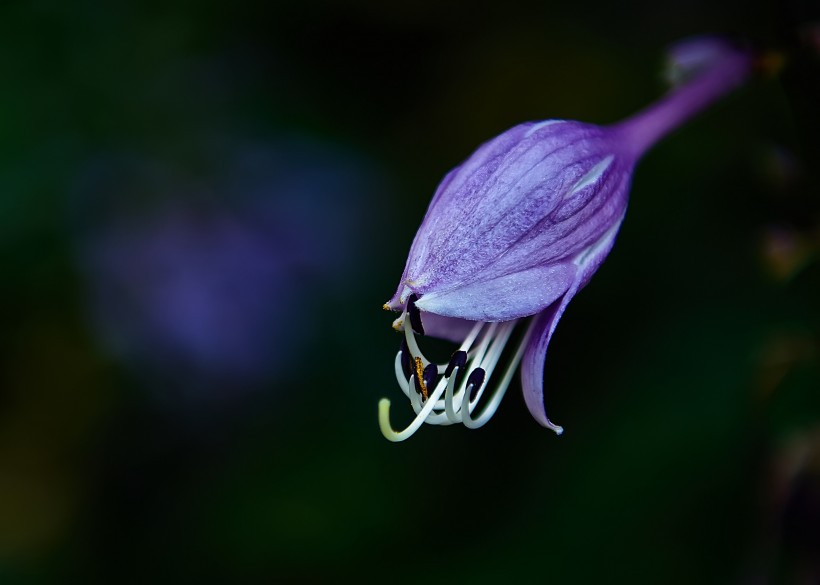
{"x":415,"y":315}
{"x":430,"y":376}
{"x":459,"y":360}
{"x":474,"y":381}
{"x":406,"y":359}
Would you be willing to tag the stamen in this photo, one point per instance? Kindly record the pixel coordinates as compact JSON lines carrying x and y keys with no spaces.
{"x":486,"y":338}
{"x":384,"y":417}
{"x":429,"y":377}
{"x":468,"y":343}
{"x":474,"y":382}
{"x":445,"y":394}
{"x":418,"y":377}
{"x":400,"y":377}
{"x":415,"y":315}
{"x":449,"y":408}
{"x":459,"y":360}
{"x":495,"y":399}
{"x":415,"y":400}
{"x":411,"y":343}
{"x":406,"y":360}
{"x":490,"y":360}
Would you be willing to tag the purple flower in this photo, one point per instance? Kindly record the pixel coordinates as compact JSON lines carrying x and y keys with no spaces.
{"x":514,"y":232}
{"x":205,"y":292}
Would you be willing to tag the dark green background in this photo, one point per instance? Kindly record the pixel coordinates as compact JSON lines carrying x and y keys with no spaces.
{"x":687,"y":375}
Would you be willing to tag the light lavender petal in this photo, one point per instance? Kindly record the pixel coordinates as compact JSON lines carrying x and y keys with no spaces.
{"x":527,"y":202}
{"x":505,"y":298}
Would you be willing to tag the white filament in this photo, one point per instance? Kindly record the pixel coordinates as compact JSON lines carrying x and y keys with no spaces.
{"x":448,"y":402}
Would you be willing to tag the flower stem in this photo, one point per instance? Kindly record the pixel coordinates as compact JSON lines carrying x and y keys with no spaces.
{"x":717,"y":78}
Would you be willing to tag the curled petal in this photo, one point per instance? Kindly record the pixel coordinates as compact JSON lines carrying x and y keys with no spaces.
{"x":532,"y":364}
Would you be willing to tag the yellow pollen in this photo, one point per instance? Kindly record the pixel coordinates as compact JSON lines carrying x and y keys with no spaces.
{"x":420,"y":375}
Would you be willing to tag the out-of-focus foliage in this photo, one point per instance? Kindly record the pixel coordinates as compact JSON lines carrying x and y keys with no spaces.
{"x":203,"y":206}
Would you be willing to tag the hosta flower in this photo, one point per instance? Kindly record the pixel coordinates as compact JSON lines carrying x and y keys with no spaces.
{"x":204,"y":296}
{"x":513,"y":233}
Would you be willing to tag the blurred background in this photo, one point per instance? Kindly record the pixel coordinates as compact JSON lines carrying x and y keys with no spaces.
{"x":203,"y":206}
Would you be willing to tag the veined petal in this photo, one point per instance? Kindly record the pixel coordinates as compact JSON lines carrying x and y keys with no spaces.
{"x":532,"y":364}
{"x":517,"y":230}
{"x":524,"y":203}
{"x":504,"y":298}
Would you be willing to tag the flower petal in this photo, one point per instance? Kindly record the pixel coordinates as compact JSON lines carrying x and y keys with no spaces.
{"x":447,"y":328}
{"x":517,"y":212}
{"x":511,"y":296}
{"x":532,"y":364}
